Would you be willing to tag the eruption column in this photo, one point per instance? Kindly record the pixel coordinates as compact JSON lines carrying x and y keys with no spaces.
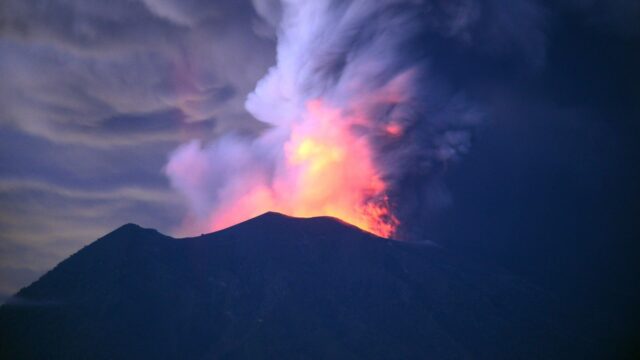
{"x":325,"y":170}
{"x":353,"y":117}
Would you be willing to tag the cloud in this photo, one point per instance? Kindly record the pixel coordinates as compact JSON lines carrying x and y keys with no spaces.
{"x":129,"y":193}
{"x":186,"y":13}
{"x":69,"y":68}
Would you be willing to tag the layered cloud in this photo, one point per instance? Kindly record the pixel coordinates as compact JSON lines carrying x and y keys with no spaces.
{"x":72,"y":69}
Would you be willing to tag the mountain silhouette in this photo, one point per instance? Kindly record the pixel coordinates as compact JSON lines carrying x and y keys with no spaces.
{"x":277,"y":287}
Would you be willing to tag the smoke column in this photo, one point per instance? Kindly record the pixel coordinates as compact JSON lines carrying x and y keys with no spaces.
{"x":353,"y":113}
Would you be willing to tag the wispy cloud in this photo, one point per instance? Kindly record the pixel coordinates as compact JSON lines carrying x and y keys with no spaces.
{"x":131,"y":193}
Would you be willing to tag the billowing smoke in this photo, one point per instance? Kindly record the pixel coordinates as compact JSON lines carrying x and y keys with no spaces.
{"x":358,"y":125}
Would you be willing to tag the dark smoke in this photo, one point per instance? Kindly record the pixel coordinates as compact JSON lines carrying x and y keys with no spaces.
{"x":371,"y":60}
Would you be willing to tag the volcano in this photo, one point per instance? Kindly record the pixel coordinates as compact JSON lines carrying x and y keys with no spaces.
{"x":278,"y":287}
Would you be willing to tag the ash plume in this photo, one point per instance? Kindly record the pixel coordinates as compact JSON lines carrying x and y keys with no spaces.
{"x":359,"y":125}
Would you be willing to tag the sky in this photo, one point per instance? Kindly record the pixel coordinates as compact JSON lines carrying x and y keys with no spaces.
{"x":521,"y":122}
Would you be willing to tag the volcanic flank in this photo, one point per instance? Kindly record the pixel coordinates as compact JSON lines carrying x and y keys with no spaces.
{"x":276,"y":287}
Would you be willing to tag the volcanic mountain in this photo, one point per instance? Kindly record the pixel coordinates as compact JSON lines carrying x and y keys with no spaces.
{"x":276,"y":287}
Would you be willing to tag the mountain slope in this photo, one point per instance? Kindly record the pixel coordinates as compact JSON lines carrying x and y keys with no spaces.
{"x":276,"y":287}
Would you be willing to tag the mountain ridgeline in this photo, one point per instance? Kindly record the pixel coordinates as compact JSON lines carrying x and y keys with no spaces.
{"x":276,"y":287}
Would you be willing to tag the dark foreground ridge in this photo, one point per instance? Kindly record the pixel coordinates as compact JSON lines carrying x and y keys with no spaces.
{"x":277,"y":287}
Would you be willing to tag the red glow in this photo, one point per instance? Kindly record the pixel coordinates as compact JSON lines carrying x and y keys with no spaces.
{"x":327,"y":171}
{"x":394,"y":130}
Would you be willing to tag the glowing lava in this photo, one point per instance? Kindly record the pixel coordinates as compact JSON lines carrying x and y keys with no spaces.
{"x":327,"y":171}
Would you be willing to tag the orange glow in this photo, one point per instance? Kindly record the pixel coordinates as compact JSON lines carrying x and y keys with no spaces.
{"x":328,"y":171}
{"x":393,"y":129}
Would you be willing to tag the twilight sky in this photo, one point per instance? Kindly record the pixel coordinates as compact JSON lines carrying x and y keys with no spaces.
{"x":540,"y":175}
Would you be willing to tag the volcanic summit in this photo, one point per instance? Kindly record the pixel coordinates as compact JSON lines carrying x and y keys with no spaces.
{"x":277,"y":287}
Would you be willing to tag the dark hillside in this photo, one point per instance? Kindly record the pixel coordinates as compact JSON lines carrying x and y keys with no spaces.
{"x":277,"y":287}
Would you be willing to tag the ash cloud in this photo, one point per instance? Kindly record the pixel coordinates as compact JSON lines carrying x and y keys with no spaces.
{"x":372,"y":59}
